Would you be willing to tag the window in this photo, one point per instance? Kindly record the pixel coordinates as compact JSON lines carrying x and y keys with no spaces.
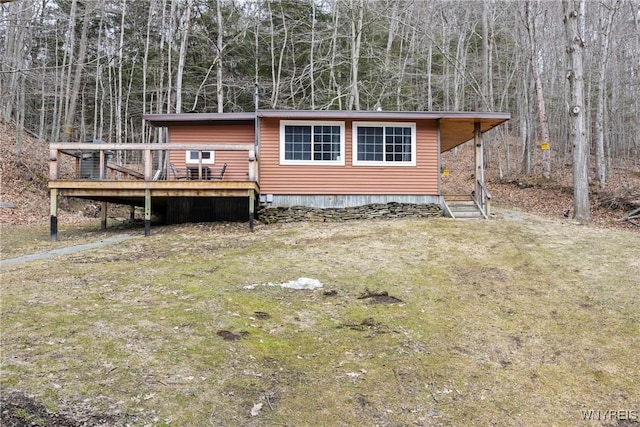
{"x":311,"y":143}
{"x":207,"y":157}
{"x":386,"y":144}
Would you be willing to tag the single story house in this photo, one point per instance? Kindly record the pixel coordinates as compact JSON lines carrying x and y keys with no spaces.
{"x":284,"y":158}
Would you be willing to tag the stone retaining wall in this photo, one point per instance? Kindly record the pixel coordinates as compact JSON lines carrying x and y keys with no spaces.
{"x":269,"y":215}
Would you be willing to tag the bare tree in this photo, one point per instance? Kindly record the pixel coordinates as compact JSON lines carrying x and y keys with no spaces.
{"x":219,"y":48}
{"x":185,"y":25}
{"x":312,"y":60}
{"x":607,"y":13}
{"x":542,"y":111}
{"x":357,"y":20}
{"x":574,"y":20}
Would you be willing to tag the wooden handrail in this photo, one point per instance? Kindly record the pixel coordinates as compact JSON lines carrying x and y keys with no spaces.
{"x":74,"y":149}
{"x":86,"y":146}
{"x":484,"y":189}
{"x":483,"y":199}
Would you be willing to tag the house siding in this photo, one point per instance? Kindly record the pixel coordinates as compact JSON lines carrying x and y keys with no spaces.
{"x":421,"y":179}
{"x":234,"y":133}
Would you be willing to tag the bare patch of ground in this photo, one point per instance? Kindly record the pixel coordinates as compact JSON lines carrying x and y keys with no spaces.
{"x":20,"y":410}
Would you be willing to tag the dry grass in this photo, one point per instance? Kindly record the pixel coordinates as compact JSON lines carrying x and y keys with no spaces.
{"x":515,"y":321}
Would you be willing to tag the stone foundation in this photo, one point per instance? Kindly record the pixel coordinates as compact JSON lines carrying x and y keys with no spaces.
{"x":270,"y":215}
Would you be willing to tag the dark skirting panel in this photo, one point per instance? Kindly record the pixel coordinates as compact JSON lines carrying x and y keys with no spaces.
{"x":207,"y":209}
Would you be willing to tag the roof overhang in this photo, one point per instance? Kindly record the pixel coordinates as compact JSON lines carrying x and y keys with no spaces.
{"x":456,"y":127}
{"x":197,"y":119}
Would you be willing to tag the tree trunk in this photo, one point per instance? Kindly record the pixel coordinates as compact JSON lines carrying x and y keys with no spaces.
{"x":77,"y":78}
{"x":312,"y":77}
{"x":525,"y":128}
{"x":356,"y":39}
{"x":169,"y":64}
{"x":542,"y":112}
{"x":220,"y":46}
{"x":605,"y":31}
{"x":574,"y":20}
{"x":334,"y":52}
{"x":12,"y":61}
{"x":185,"y":25}
{"x":276,"y":64}
{"x":485,"y":105}
{"x":145,"y":66}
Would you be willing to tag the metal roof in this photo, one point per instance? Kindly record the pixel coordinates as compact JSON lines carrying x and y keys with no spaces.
{"x":456,"y":127}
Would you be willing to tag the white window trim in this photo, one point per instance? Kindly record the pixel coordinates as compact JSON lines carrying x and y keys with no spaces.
{"x":190,"y":161}
{"x":354,"y":144}
{"x":312,"y":162}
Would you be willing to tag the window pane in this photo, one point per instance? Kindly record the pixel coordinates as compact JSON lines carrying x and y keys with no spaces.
{"x":297,"y":142}
{"x":326,"y":142}
{"x":370,"y":143}
{"x":398,"y":144}
{"x":206,"y":155}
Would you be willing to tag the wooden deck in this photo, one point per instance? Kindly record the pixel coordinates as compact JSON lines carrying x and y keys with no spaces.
{"x":113,"y":191}
{"x":114,"y":183}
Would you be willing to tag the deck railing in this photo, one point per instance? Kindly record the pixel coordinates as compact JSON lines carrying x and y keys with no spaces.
{"x":103,"y":152}
{"x":483,"y":198}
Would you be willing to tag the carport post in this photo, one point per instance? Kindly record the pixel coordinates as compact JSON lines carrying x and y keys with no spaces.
{"x":147,"y":212}
{"x":103,"y":215}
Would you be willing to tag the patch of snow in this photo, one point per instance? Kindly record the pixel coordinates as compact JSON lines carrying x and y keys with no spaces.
{"x":303,"y":283}
{"x":256,"y":409}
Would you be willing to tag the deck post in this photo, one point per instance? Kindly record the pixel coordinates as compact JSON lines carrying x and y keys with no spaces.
{"x":103,"y":215}
{"x":53,"y":165}
{"x":53,"y":231}
{"x":132,"y":214}
{"x":148,"y":165}
{"x":252,"y":166}
{"x":252,"y":202}
{"x":147,"y":212}
{"x":103,"y":168}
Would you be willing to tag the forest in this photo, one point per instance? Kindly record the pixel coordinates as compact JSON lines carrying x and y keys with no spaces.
{"x":82,"y":70}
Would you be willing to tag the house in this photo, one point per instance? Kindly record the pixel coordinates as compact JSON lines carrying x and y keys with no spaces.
{"x":283,"y":158}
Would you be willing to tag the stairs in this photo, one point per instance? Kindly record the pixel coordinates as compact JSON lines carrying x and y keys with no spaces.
{"x":462,"y":206}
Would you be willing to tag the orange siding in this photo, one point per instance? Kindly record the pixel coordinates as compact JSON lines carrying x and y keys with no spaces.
{"x":348,"y":179}
{"x":234,"y":133}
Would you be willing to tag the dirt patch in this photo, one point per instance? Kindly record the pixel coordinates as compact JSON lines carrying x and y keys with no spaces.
{"x":19,"y":410}
{"x":379,"y":297}
{"x":232,"y":336}
{"x":368,"y":324}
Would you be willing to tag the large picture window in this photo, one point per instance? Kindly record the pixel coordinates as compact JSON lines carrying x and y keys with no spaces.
{"x":384,"y":144}
{"x":193,"y":156}
{"x":312,"y":143}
